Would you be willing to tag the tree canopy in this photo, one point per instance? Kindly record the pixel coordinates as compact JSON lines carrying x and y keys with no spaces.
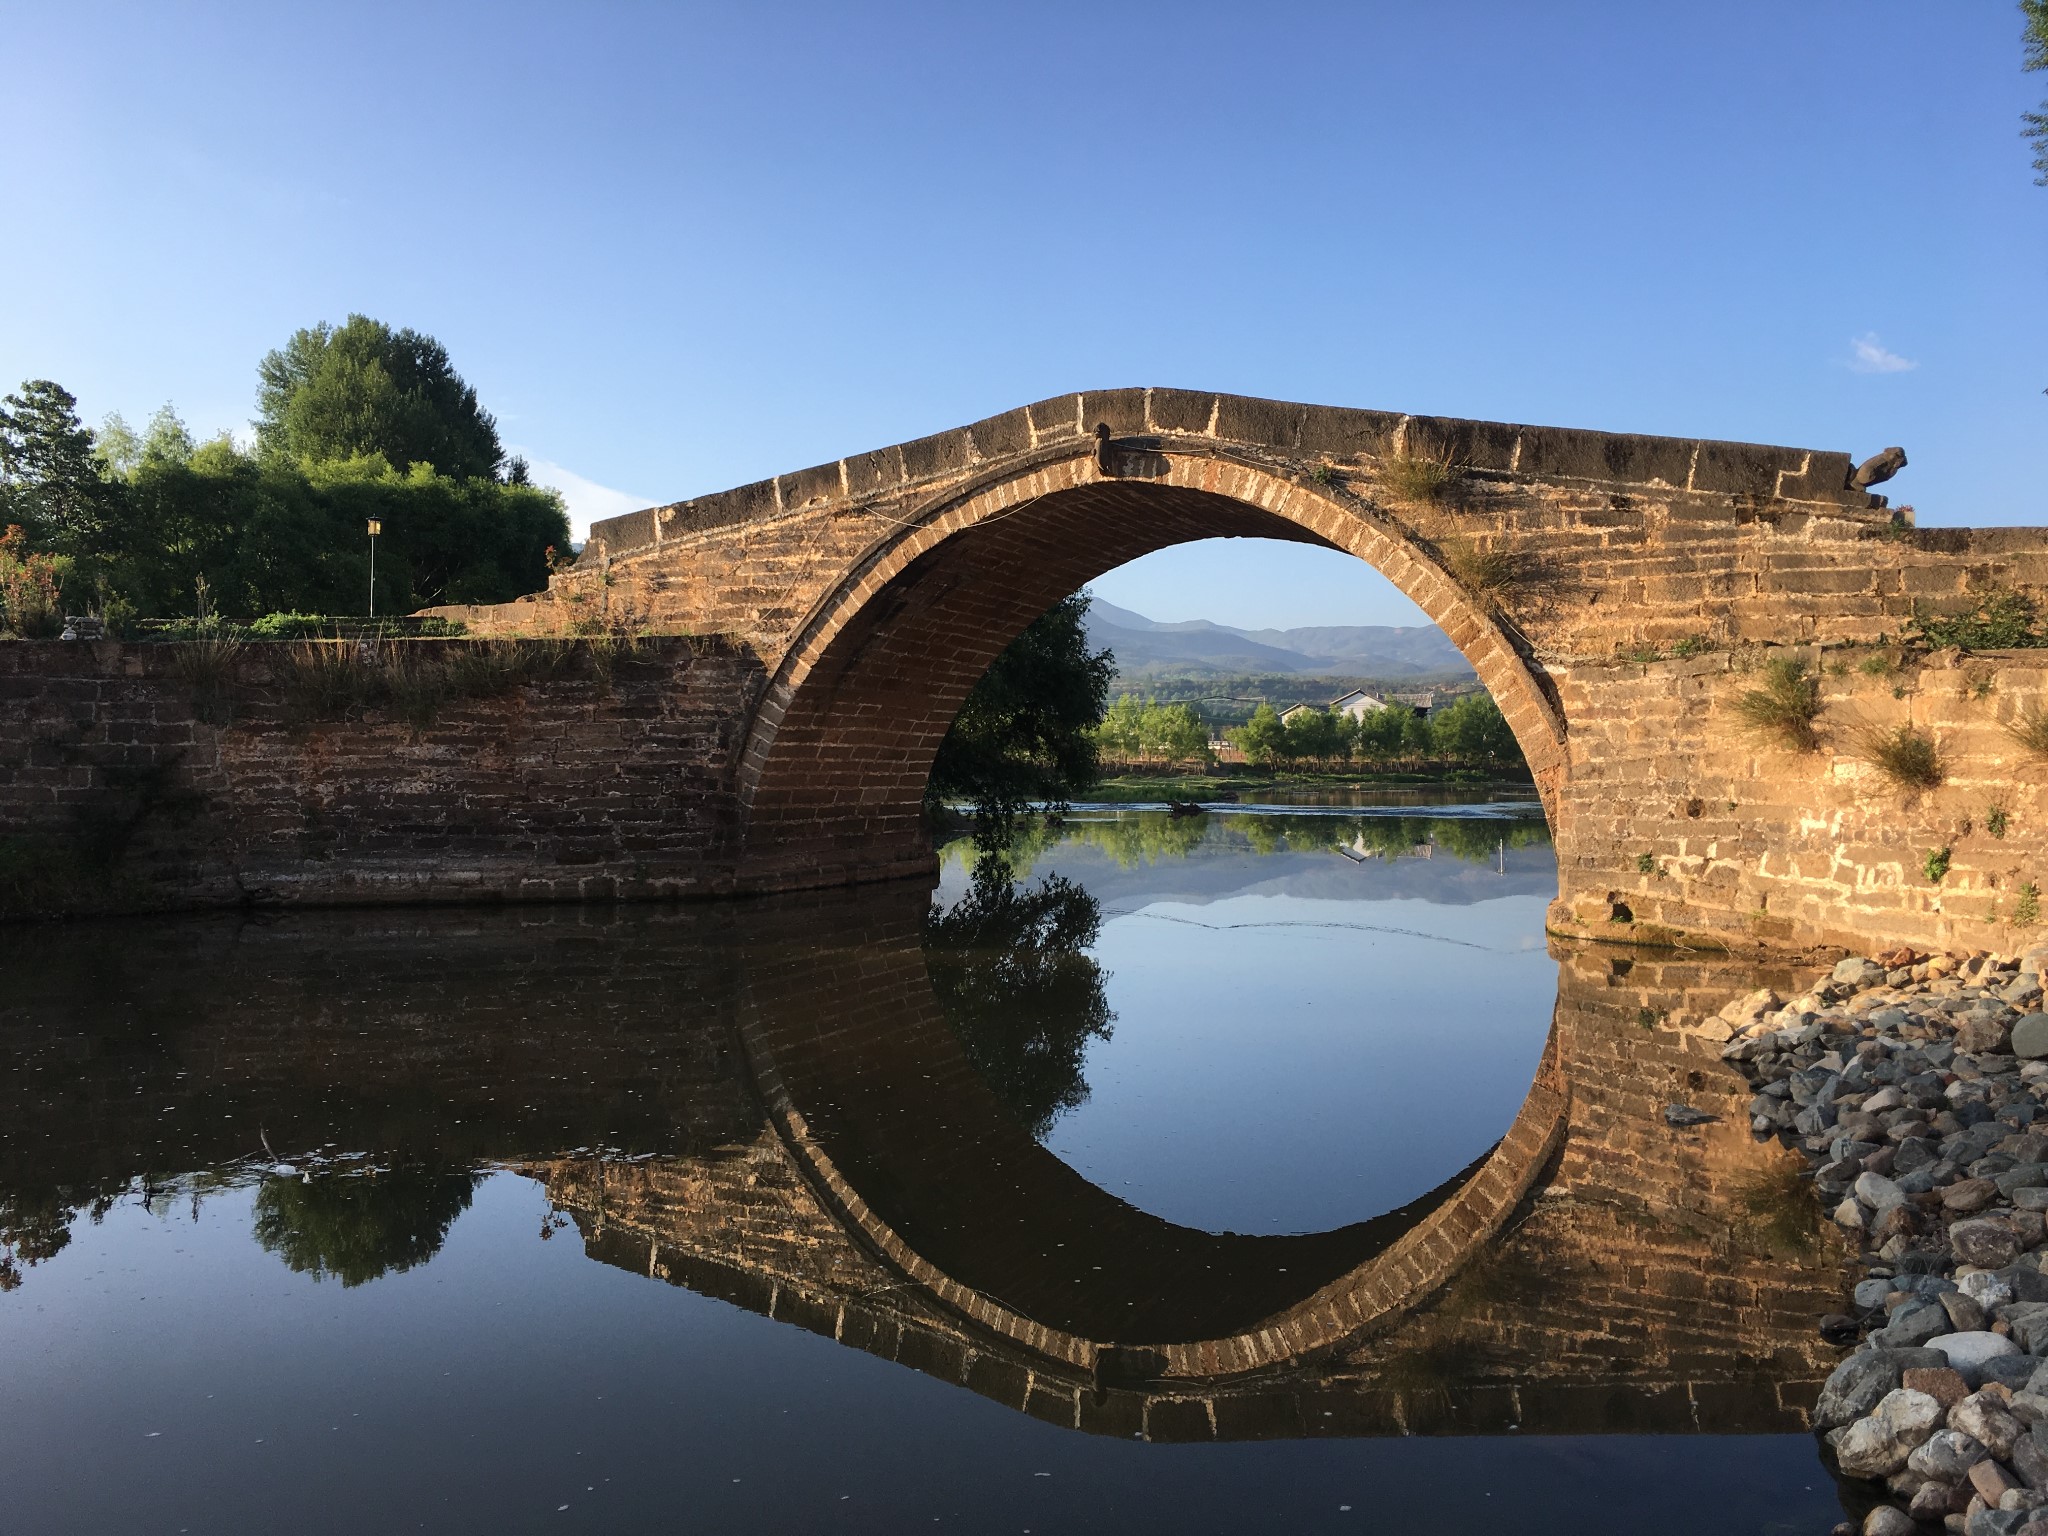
{"x":50,"y":483}
{"x":362,"y":389}
{"x":1026,"y":732}
{"x":2035,"y":42}
{"x":359,"y":422}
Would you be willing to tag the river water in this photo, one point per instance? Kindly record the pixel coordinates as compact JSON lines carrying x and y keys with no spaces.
{"x":1264,"y":1169}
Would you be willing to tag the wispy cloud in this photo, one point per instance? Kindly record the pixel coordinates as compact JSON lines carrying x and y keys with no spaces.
{"x":587,"y":500}
{"x":1869,"y":355}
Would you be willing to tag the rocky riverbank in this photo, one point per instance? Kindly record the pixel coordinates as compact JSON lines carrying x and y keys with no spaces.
{"x":1919,"y":1090}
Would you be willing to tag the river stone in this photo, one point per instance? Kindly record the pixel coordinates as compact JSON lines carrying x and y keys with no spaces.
{"x":2030,"y":1460}
{"x":1888,"y":1520}
{"x":1857,"y":971}
{"x":1983,"y":1415}
{"x":1930,"y":1503}
{"x":1947,"y":1455}
{"x":2030,"y":1036}
{"x":1880,"y":1193}
{"x":1963,"y":1310}
{"x":1915,"y":1324}
{"x":1857,"y":1385}
{"x":1979,"y":1034}
{"x":1870,"y":1294}
{"x":1997,"y":1522}
{"x":2026,"y":1176}
{"x":1984,"y":1242}
{"x":2012,"y":1371}
{"x":1946,"y":1385}
{"x":1878,"y":1444}
{"x":2028,"y":1321}
{"x":1968,"y":1353}
{"x":1968,"y":1195}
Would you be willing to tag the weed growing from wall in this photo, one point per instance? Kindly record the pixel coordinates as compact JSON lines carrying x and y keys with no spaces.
{"x":2030,"y":731}
{"x":1423,"y":476}
{"x":1785,"y":708}
{"x":1907,"y":757}
{"x":2026,"y":911}
{"x":210,"y":668}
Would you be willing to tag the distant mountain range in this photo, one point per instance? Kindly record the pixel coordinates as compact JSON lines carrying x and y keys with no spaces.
{"x":1198,"y":648}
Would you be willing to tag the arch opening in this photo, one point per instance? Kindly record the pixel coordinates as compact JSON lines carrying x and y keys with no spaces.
{"x":839,"y":753}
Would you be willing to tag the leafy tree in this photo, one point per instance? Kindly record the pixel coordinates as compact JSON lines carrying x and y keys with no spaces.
{"x":1012,"y":973}
{"x":1262,"y":739}
{"x":1320,"y":736}
{"x":2035,"y":42}
{"x":356,"y":1227}
{"x":362,"y":388}
{"x":50,"y":482}
{"x":1389,"y":731}
{"x":1472,"y":729}
{"x":1026,"y":732}
{"x":1150,"y":731}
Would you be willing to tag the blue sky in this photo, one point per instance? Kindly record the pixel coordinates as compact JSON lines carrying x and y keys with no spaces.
{"x":679,"y":247}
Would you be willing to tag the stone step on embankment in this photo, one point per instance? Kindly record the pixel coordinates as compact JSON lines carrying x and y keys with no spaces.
{"x":1918,"y":1089}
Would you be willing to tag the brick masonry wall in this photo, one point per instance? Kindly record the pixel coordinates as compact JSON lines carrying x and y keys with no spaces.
{"x":116,"y":795}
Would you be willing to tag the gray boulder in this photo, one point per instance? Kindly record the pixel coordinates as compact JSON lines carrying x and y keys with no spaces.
{"x":1859,"y":1383}
{"x":1878,"y":1444}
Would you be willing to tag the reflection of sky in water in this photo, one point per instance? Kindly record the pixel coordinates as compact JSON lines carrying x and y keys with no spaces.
{"x":1303,"y":1040}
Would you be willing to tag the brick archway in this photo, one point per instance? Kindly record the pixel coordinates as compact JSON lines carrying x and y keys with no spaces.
{"x":840,"y":747}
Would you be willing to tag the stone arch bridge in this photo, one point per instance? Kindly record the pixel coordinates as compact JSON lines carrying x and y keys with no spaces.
{"x":1613,"y":593}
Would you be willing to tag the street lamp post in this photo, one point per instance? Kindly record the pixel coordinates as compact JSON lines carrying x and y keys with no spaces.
{"x":376,"y":527}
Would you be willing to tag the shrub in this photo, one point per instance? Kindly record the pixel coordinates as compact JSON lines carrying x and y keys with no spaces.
{"x":1907,"y":757}
{"x":1936,"y":866}
{"x":28,"y":588}
{"x":2001,"y":620}
{"x":1786,"y":706}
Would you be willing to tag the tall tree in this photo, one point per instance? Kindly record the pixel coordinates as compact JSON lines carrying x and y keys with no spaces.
{"x":50,"y":482}
{"x":2035,"y":40}
{"x":361,"y":388}
{"x":1026,"y":732}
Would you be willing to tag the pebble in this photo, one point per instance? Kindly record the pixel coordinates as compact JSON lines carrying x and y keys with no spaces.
{"x":1914,"y":1086}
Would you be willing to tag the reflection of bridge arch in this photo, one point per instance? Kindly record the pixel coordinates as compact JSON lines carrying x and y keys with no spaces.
{"x":843,"y":740}
{"x":880,"y":1107}
{"x":1629,"y":1292}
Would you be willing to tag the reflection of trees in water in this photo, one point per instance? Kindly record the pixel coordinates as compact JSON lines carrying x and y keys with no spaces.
{"x":1132,"y":838}
{"x":1011,"y":970}
{"x":33,"y":1228}
{"x":357,"y":1226}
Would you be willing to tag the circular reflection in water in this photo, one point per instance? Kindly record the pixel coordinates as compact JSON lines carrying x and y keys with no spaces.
{"x":1306,"y":1019}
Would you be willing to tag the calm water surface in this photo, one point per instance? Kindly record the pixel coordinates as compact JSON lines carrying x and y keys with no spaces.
{"x":889,"y":1211}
